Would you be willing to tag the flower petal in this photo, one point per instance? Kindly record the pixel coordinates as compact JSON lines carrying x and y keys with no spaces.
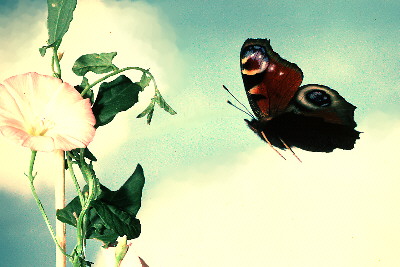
{"x":43,"y":113}
{"x":40,"y":143}
{"x":8,"y":106}
{"x":15,"y":134}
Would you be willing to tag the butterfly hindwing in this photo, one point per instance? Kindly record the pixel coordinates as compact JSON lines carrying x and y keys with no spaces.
{"x":314,"y":100}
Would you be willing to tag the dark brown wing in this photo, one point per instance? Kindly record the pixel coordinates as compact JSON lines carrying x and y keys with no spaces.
{"x":317,"y":119}
{"x":269,"y":80}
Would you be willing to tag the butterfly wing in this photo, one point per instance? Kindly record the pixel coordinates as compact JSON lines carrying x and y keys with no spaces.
{"x":269,"y":80}
{"x":314,"y":100}
{"x":317,"y":119}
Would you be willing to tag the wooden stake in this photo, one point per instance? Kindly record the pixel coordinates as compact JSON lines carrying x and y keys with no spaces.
{"x":59,"y":174}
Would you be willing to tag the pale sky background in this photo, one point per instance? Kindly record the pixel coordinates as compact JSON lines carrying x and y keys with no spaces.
{"x":216,"y":195}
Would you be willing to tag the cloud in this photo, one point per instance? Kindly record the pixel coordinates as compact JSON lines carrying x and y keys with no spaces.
{"x":250,"y":208}
{"x":21,"y":34}
{"x":255,"y":209}
{"x":136,"y":30}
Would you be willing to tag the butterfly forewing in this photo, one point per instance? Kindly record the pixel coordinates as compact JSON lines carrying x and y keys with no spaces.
{"x":270,"y":81}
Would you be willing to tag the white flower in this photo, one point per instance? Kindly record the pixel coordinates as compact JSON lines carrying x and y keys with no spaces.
{"x":45,"y":114}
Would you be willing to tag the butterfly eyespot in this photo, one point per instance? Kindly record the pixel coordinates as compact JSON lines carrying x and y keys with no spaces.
{"x":319,"y":98}
{"x":254,"y":60}
{"x":314,"y":96}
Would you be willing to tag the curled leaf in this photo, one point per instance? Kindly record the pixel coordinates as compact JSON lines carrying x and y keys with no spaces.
{"x":144,"y":80}
{"x":148,"y":111}
{"x":161,"y":102}
{"x":97,"y":63}
{"x":150,"y":108}
{"x":121,"y":249}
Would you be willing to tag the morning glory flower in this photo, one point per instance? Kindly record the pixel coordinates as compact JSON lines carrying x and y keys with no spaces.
{"x":44,"y":113}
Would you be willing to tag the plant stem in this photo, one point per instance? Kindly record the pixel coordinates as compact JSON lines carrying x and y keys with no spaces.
{"x":31,"y":178}
{"x":75,"y":181}
{"x":117,"y":72}
{"x":79,"y":251}
{"x":59,"y":195}
{"x":55,"y":62}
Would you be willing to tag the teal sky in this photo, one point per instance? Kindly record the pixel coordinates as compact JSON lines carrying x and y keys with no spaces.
{"x":215,"y":194}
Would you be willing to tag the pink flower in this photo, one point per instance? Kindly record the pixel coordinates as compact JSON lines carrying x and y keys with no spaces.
{"x":43,"y":113}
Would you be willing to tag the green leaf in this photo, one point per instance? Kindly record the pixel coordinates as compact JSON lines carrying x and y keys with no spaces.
{"x":150,"y":116}
{"x":97,"y":63}
{"x":86,"y":154}
{"x":59,"y":17}
{"x":144,"y":80}
{"x":150,"y":108}
{"x":89,"y":155}
{"x":66,"y":215}
{"x":121,"y":249}
{"x":114,"y":97}
{"x":128,"y":197}
{"x":148,"y":111}
{"x":161,"y":102}
{"x":42,"y":50}
{"x":114,"y":222}
{"x":113,"y":213}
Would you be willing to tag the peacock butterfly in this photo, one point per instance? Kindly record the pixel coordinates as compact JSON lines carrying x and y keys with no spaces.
{"x":312,"y":117}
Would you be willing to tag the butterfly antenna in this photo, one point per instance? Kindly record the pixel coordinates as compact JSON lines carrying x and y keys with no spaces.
{"x":244,"y":111}
{"x":230,"y":103}
{"x":266,"y":139}
{"x":294,"y":154}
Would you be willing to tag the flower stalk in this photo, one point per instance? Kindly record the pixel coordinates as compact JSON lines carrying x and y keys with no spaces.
{"x":55,"y":61}
{"x":31,"y":178}
{"x":74,"y":180}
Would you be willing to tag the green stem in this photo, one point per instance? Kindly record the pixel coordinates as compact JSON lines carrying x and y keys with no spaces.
{"x":75,"y":181}
{"x":31,"y":178}
{"x":55,"y":61}
{"x":117,"y":72}
{"x":81,"y":233}
{"x":82,"y":156}
{"x":31,"y":164}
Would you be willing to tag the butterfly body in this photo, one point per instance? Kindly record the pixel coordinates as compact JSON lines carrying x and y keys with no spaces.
{"x":311,"y":117}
